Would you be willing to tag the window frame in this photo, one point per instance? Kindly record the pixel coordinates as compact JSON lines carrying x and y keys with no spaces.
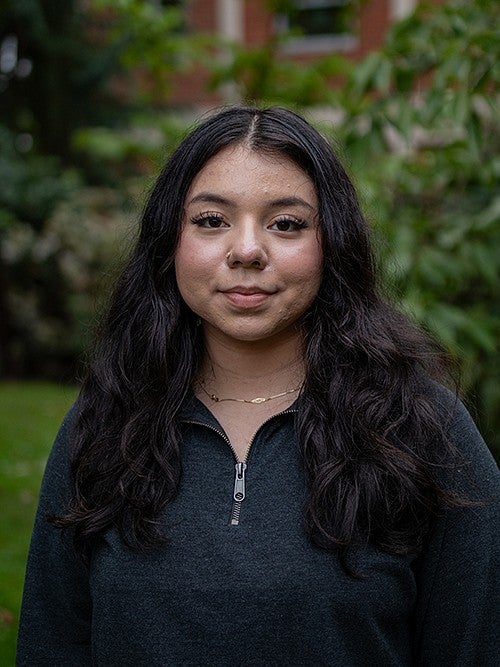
{"x":326,"y":42}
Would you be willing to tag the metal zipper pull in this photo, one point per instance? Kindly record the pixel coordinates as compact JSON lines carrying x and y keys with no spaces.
{"x":238,"y":493}
{"x":239,"y":482}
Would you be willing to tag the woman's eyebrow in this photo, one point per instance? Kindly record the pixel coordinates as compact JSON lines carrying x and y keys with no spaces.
{"x":290,"y":201}
{"x":211,"y":198}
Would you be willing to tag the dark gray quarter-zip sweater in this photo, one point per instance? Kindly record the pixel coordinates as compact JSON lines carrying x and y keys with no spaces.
{"x":255,"y":591}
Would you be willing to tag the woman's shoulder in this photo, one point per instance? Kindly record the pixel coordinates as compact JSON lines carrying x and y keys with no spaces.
{"x":454,"y":416}
{"x":57,"y":475}
{"x":474,"y":462}
{"x":62,"y":443}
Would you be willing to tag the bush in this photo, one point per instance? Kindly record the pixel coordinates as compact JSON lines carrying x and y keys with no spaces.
{"x":59,"y":278}
{"x":422,"y":130}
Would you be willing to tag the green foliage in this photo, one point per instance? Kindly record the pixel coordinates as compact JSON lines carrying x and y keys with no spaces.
{"x":132,"y":150}
{"x":31,"y":188}
{"x":422,"y":132}
{"x":30,"y":185}
{"x":58,"y":279}
{"x":58,"y":233}
{"x":29,"y":418}
{"x":70,"y":66}
{"x":154,"y":44}
{"x":153,"y":48}
{"x":262,"y":74}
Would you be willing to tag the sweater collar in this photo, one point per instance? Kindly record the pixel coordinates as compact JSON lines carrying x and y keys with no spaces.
{"x":194,"y":410}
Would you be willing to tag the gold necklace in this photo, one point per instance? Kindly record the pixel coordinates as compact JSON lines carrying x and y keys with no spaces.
{"x":254,"y":401}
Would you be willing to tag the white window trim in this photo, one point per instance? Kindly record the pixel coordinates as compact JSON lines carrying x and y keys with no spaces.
{"x":230,"y":19}
{"x":320,"y":44}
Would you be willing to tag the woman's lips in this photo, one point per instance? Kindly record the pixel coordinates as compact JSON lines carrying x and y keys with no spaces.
{"x":246,"y":299}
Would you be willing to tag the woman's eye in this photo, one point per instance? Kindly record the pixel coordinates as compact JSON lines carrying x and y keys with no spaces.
{"x":208,"y":220}
{"x":288,"y":225}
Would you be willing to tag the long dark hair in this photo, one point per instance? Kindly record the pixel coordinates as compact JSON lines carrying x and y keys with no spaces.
{"x":365,"y":422}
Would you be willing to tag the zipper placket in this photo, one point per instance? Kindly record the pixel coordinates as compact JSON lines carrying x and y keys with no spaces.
{"x":239,"y":489}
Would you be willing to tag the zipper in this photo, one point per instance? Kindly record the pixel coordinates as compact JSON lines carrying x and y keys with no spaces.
{"x":239,"y":489}
{"x":239,"y":492}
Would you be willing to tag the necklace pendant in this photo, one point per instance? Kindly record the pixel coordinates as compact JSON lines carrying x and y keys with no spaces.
{"x":259,"y":399}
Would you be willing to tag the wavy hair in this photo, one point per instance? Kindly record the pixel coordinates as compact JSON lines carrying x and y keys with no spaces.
{"x":365,"y":420}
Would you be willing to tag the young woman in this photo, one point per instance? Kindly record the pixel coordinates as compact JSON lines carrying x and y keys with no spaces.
{"x":261,"y":468}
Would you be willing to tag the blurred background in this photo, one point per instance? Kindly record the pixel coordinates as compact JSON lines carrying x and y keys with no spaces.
{"x":94,"y":95}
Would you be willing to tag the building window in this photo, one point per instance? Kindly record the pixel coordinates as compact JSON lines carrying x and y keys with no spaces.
{"x":320,"y":25}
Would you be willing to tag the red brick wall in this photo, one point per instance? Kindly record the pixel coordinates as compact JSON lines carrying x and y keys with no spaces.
{"x":373,"y":22}
{"x":259,"y":22}
{"x":201,"y":15}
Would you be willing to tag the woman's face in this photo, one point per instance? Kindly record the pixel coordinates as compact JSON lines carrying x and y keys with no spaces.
{"x":249,"y":258}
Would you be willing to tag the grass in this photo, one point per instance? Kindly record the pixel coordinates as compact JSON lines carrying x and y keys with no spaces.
{"x":30,"y":414}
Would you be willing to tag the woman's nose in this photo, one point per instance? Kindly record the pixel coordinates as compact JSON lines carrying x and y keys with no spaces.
{"x":247,"y":249}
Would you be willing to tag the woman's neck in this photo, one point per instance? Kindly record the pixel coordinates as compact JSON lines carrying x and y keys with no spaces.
{"x":249,"y":368}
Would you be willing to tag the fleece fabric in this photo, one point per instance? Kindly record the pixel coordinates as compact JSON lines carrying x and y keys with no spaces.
{"x":258,"y":593}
